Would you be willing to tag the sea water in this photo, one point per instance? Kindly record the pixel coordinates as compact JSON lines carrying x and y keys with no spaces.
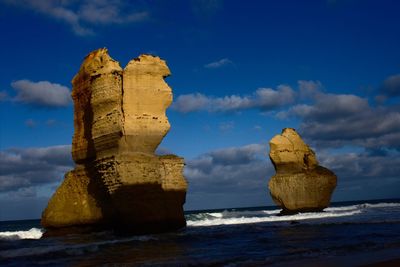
{"x":345,"y":234}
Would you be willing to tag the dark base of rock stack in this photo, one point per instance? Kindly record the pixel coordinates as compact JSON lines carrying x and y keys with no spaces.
{"x":84,"y":204}
{"x":307,"y":191}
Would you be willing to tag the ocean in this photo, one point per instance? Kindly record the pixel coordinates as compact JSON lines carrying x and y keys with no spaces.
{"x":345,"y":234}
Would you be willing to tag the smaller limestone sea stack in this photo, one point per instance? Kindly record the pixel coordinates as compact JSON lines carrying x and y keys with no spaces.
{"x":300,"y":184}
{"x":118,"y":181}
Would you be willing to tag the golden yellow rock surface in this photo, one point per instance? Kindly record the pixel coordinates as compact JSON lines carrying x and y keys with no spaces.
{"x":78,"y":201}
{"x":148,"y":96}
{"x":299,"y":184}
{"x":119,"y":119}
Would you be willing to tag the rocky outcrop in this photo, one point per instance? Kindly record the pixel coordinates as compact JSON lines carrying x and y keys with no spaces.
{"x":299,"y":184}
{"x":119,"y":120}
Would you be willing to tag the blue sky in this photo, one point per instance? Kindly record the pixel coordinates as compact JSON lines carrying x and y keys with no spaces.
{"x":241,"y":71}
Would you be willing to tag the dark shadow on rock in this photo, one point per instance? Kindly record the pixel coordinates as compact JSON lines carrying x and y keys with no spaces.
{"x":74,"y":230}
{"x":147,"y":208}
{"x":99,"y":192}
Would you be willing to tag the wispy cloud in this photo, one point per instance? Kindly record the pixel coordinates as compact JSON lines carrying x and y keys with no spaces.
{"x":30,"y":123}
{"x":206,"y":8}
{"x":82,"y":15}
{"x":51,"y":122}
{"x":226,"y":126}
{"x":391,"y":86}
{"x":3,"y":95}
{"x":219,"y":64}
{"x":257,"y":127}
{"x":263,"y":99}
{"x":43,"y":93}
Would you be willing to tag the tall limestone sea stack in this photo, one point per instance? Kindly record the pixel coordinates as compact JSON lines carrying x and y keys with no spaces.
{"x":118,"y":181}
{"x":299,"y":184}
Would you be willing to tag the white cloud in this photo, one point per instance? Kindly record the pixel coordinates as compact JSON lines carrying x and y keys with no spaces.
{"x":334,"y":120}
{"x":326,"y":119}
{"x":42,"y":93}
{"x":364,"y":175}
{"x":107,"y":12}
{"x":262,"y":99}
{"x":309,"y":89}
{"x":231,"y":170}
{"x":218,"y":64}
{"x":363,"y":166}
{"x":190,"y":103}
{"x":238,"y":172}
{"x":80,"y":15}
{"x":331,"y":106}
{"x":24,"y":169}
{"x":230,"y":103}
{"x":267,"y":98}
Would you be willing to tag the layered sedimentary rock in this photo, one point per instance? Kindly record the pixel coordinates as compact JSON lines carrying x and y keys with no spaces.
{"x":119,"y":120}
{"x":299,"y":184}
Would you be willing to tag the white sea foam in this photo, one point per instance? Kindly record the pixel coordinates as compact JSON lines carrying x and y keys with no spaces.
{"x":351,"y":213}
{"x":216,"y":214}
{"x":364,"y":206}
{"x":243,"y":220}
{"x":33,"y":233}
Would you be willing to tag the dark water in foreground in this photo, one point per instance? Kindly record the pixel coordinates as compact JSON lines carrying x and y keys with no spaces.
{"x":346,"y":234}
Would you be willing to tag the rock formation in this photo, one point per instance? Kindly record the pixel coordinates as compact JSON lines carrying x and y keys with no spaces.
{"x":118,"y":181}
{"x":299,"y":184}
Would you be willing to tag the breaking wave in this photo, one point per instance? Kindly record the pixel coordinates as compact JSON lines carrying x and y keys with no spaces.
{"x":354,"y":213}
{"x":362,"y":212}
{"x":33,"y":233}
{"x":25,"y":245}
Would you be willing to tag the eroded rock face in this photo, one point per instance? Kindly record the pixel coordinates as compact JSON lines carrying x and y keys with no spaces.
{"x":119,"y":120}
{"x":299,"y":184}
